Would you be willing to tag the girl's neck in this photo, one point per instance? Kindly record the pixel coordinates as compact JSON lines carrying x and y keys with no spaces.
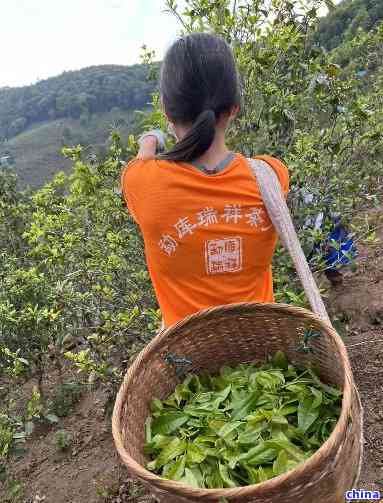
{"x":217,"y":151}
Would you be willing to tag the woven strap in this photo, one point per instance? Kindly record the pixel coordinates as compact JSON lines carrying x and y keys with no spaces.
{"x":280,"y":216}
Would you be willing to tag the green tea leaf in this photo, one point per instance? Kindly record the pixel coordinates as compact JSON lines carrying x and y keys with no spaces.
{"x":171,"y":451}
{"x":259,"y":454}
{"x":156,"y":405}
{"x":189,"y":478}
{"x":280,"y":360}
{"x":243,"y":407}
{"x":286,"y":410}
{"x":244,"y":426}
{"x":252,"y":434}
{"x":283,"y":443}
{"x":195,"y":454}
{"x":168,"y":422}
{"x":227,"y":480}
{"x":280,"y":464}
{"x":228,"y":428}
{"x":175,"y":471}
{"x":264,"y":473}
{"x":306,"y":414}
{"x":278,"y":419}
{"x":318,"y":397}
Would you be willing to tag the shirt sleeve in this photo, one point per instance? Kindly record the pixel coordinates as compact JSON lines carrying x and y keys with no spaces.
{"x":130,"y":187}
{"x":280,"y":169}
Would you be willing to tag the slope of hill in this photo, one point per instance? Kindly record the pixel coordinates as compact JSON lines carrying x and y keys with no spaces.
{"x":36,"y":155}
{"x":73,"y":95}
{"x":343,"y":22}
{"x":72,"y":108}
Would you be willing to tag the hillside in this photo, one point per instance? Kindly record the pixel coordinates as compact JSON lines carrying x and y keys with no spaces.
{"x":76,"y":107}
{"x":35,"y":152}
{"x":343,"y":22}
{"x":74,"y":95}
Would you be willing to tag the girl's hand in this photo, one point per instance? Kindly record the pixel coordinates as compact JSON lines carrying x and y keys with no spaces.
{"x":148,"y":147}
{"x":149,"y":143}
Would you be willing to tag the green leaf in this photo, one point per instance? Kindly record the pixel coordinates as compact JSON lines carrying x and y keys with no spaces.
{"x":196,"y":470}
{"x":252,"y":473}
{"x":331,"y":390}
{"x":195,"y":454}
{"x":225,"y":476}
{"x":245,"y":406}
{"x":318,"y":397}
{"x":280,"y":360}
{"x":189,"y":478}
{"x":214,"y":479}
{"x":175,"y":471}
{"x":242,"y":427}
{"x":156,"y":405}
{"x":171,"y":451}
{"x":266,"y":456}
{"x":168,"y":422}
{"x":280,"y":464}
{"x":306,"y":414}
{"x":229,"y":428}
{"x":181,"y":393}
{"x":216,"y":425}
{"x":283,"y":443}
{"x":252,"y":435}
{"x":264,"y":473}
{"x":259,"y":454}
{"x":286,"y":410}
{"x":278,"y":419}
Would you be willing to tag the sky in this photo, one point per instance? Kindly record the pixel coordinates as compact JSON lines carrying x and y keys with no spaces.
{"x":43,"y":38}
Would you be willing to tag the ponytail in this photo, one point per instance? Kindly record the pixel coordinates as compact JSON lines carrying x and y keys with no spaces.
{"x":198,"y":73}
{"x":196,"y":142}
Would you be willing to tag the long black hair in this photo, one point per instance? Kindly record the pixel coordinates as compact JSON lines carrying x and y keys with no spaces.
{"x":199,"y":82}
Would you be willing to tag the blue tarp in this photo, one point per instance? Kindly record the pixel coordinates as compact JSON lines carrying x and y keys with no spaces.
{"x":343,"y":251}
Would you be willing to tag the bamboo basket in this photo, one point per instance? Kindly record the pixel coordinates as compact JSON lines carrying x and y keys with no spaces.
{"x":229,"y":335}
{"x":242,"y":333}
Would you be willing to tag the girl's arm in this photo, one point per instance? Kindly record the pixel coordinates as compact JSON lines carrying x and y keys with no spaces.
{"x":148,"y":148}
{"x":149,"y":143}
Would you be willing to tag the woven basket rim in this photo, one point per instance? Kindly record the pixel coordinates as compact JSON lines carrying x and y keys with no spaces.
{"x":250,"y":490}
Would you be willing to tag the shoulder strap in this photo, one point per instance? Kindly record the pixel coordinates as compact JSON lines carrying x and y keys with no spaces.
{"x":280,"y":216}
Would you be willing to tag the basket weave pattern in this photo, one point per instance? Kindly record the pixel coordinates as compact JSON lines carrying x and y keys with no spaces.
{"x":229,"y":335}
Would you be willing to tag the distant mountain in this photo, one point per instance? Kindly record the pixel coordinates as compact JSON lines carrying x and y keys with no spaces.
{"x":35,"y":154}
{"x":76,"y":107}
{"x":343,"y":22}
{"x":75,"y":95}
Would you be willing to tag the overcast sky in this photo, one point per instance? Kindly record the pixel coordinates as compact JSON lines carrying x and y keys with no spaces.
{"x":42,"y":38}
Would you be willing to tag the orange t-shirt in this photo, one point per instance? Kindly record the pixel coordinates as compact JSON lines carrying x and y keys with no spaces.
{"x":208,"y":239}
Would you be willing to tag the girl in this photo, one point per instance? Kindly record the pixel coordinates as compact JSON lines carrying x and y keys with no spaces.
{"x":208,"y":238}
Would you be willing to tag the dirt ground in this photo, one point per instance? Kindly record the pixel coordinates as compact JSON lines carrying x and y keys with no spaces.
{"x":90,"y":471}
{"x":359,"y":302}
